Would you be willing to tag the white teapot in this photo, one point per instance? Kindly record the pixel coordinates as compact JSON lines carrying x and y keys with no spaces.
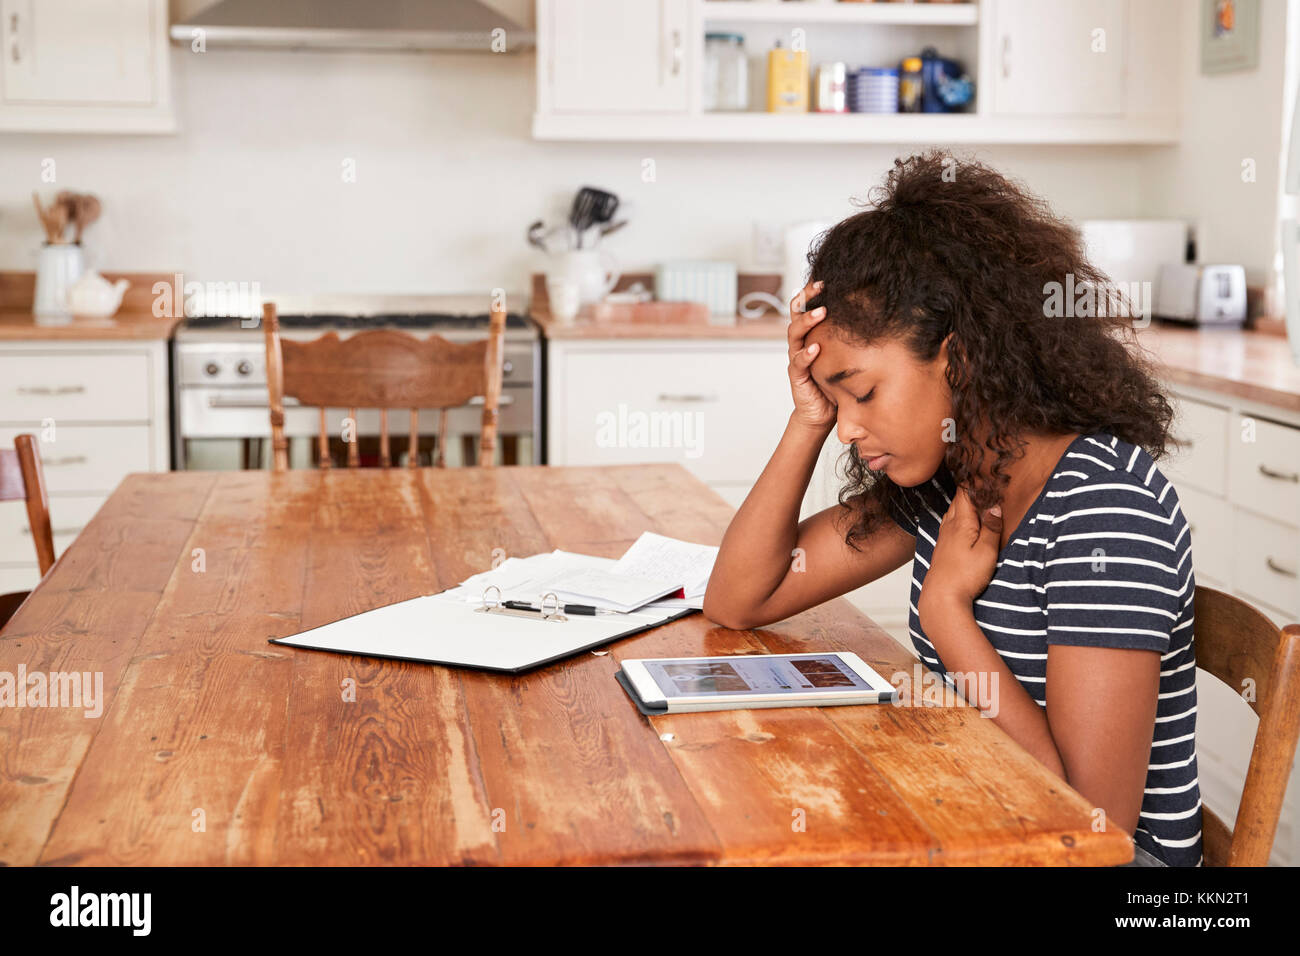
{"x":93,"y":295}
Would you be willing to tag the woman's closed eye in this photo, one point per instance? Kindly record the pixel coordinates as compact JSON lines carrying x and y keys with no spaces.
{"x":867,"y":396}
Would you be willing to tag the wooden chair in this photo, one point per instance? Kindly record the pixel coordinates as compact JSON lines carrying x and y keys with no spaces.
{"x":21,"y":478}
{"x":1236,"y":643}
{"x":383,"y":369}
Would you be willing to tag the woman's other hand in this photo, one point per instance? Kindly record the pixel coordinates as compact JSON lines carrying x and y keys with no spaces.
{"x":965,"y":556}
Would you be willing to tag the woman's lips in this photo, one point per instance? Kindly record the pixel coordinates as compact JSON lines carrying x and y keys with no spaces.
{"x":875,"y":464}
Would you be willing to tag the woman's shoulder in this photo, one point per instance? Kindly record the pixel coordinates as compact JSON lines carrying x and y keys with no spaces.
{"x":1104,"y":481}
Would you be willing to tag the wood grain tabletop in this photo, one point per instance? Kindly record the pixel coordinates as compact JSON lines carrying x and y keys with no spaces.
{"x":214,"y":747}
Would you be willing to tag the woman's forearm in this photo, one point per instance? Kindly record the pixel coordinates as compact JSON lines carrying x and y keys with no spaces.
{"x":757,"y":549}
{"x":965,"y":651}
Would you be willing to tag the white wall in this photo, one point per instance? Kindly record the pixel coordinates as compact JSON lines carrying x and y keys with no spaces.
{"x":1226,"y":119}
{"x":448,"y":176}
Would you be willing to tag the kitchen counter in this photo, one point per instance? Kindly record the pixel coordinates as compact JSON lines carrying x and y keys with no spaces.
{"x":134,"y":321}
{"x":768,"y":326}
{"x":1257,"y":366}
{"x":23,"y":326}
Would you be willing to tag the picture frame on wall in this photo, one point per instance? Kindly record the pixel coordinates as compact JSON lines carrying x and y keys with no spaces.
{"x":1229,"y":35}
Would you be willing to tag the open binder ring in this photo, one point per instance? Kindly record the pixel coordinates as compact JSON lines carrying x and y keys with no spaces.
{"x":551,"y":609}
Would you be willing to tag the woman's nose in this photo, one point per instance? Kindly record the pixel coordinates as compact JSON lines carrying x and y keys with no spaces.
{"x":847,"y":430}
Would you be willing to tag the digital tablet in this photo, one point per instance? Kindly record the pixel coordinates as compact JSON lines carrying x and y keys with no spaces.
{"x":682,"y":684}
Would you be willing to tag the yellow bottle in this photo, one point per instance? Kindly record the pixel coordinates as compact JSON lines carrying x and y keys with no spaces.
{"x":787,"y":80}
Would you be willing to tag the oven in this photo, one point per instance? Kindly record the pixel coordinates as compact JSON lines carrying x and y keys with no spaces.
{"x":221,"y":414}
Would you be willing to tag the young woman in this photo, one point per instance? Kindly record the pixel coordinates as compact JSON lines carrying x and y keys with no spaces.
{"x":1003,"y":439}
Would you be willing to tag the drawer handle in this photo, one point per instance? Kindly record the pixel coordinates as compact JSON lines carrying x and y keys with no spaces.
{"x":1279,"y":475}
{"x":69,"y":460}
{"x":47,"y":390}
{"x":1280,"y":569}
{"x":53,"y":531}
{"x":686,"y":397}
{"x":503,"y":400}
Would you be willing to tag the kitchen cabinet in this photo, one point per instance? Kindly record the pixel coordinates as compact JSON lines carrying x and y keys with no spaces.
{"x":1048,"y":61}
{"x":629,"y":57}
{"x":1240,"y":491}
{"x":1040,"y":74}
{"x":99,"y":411}
{"x":71,"y":66}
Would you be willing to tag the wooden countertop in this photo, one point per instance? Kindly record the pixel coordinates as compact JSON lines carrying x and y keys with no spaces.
{"x":23,"y":326}
{"x":200,"y":711}
{"x":134,"y":320}
{"x":1257,"y":366}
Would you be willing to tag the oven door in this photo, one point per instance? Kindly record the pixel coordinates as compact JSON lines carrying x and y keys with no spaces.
{"x":222,"y":429}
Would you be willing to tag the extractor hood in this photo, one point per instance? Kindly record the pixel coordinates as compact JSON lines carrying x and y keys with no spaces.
{"x":385,"y":25}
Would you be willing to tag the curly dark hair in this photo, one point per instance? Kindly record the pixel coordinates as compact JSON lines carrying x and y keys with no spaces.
{"x":953,"y":246}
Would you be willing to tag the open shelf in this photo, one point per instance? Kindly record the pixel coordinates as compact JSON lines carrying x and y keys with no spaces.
{"x":898,"y":14}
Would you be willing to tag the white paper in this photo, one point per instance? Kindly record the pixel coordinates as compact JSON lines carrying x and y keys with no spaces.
{"x":655,"y":556}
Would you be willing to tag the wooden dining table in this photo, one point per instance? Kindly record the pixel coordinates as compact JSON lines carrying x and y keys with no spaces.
{"x":215,"y":747}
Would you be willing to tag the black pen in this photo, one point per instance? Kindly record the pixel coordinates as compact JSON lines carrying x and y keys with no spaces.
{"x":587,"y":609}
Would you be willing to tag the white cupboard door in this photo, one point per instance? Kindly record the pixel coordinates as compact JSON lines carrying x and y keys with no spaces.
{"x":628,"y":57}
{"x":75,"y":52}
{"x":1064,"y":58}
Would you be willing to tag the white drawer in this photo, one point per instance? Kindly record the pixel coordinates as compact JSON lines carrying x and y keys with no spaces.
{"x":68,"y":515}
{"x":80,"y":387}
{"x":718,"y":412}
{"x":1265,"y":473}
{"x":85,"y":459}
{"x":1210,"y":522}
{"x":1204,"y":463}
{"x":1266,"y":562}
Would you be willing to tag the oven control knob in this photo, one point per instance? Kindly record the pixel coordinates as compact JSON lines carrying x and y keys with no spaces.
{"x":508,"y":367}
{"x":212,"y":368}
{"x":244,"y":368}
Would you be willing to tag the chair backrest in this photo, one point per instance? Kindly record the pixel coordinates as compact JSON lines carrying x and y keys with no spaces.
{"x":383,"y":369}
{"x":1261,"y":662}
{"x":21,"y":478}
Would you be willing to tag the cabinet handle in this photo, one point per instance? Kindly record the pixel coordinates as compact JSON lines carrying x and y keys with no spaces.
{"x":1006,"y":56}
{"x":53,"y":531}
{"x":46,"y":390}
{"x":13,"y":32}
{"x":1279,"y":475}
{"x":70,"y":460}
{"x":678,"y":52}
{"x":1280,"y":569}
{"x":686,"y":397}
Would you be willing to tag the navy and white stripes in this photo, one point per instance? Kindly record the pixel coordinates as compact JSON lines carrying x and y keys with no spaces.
{"x":1102,"y":558}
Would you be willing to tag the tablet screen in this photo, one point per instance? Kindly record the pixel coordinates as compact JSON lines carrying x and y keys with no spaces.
{"x":708,"y":676}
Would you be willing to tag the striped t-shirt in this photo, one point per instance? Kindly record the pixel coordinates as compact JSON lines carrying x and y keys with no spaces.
{"x":1102,"y":558}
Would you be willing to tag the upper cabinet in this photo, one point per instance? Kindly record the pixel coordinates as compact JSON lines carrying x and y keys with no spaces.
{"x":1063,"y":58}
{"x":1064,"y":71}
{"x":73,"y":66}
{"x":593,"y":74}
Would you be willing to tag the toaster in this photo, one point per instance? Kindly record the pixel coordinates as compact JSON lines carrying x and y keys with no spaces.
{"x":1202,"y":295}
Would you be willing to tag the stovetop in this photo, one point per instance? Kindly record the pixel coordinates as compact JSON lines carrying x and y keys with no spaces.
{"x":400,"y":320}
{"x":458,"y":316}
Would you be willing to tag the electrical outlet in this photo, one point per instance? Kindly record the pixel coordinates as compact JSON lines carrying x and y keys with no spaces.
{"x":769,"y":245}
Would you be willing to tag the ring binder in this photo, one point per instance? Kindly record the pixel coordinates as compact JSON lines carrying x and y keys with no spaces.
{"x":551,"y":612}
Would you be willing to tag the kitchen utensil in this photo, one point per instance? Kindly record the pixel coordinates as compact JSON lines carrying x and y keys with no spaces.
{"x":612,"y":227}
{"x":93,"y":295}
{"x":591,"y":206}
{"x":88,"y":210}
{"x":650,"y":312}
{"x":564,"y":297}
{"x":58,"y":266}
{"x":595,"y":272}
